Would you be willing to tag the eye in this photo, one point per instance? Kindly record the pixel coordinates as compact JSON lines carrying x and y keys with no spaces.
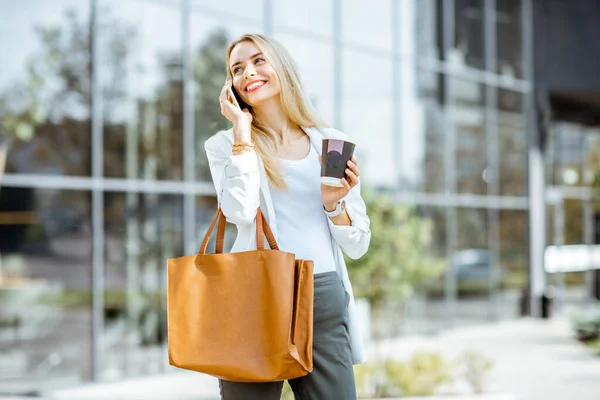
{"x":236,"y":70}
{"x":258,"y":58}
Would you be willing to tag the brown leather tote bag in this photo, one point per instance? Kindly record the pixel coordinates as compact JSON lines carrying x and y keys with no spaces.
{"x":245,"y":317}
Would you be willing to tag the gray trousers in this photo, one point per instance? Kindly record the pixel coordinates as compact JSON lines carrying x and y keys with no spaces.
{"x":332,"y":377}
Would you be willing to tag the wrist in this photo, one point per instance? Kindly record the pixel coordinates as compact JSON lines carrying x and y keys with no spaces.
{"x":241,"y":134}
{"x":329,"y":207}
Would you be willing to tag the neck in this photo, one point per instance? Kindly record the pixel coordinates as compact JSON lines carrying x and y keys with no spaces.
{"x":272,"y":114}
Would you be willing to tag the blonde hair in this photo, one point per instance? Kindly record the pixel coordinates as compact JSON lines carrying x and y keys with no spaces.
{"x":296,"y":106}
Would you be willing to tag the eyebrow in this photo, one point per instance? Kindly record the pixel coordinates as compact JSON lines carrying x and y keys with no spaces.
{"x":251,"y":57}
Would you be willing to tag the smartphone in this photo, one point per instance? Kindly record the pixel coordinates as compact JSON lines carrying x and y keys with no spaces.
{"x":236,"y":99}
{"x":233,"y":97}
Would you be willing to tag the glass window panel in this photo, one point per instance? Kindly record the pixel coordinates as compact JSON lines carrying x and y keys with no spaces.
{"x":425,"y":311}
{"x":512,"y":141}
{"x":367,"y":23}
{"x":210,"y":38}
{"x":142,"y":231}
{"x":509,"y":38}
{"x":367,"y":116}
{"x":423,"y":130}
{"x":45,"y":280}
{"x":513,"y":261}
{"x":573,"y":221}
{"x":426,"y":33}
{"x":591,"y":158}
{"x":473,"y":264}
{"x":317,"y":77}
{"x":45,"y":87}
{"x":468,"y":34}
{"x":311,"y":16}
{"x":252,"y":12}
{"x":468,"y":117}
{"x":140,"y":74}
{"x":566,"y":154}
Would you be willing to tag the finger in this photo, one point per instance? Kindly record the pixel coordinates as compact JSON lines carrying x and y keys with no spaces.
{"x":224,"y":95}
{"x":353,"y":177}
{"x":320,"y":162}
{"x":346,"y":184}
{"x":354,"y":168}
{"x":354,"y":160}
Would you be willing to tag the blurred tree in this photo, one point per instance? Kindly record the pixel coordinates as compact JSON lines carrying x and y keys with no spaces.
{"x":399,"y":257}
{"x":209,"y":76}
{"x":48,"y":115}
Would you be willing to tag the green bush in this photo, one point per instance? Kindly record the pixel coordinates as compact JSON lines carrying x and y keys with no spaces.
{"x":595,"y":346}
{"x":476,"y":369}
{"x":587,"y":324}
{"x":422,"y":375}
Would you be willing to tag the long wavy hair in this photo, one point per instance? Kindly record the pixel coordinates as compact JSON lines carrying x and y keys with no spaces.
{"x":295,"y":104}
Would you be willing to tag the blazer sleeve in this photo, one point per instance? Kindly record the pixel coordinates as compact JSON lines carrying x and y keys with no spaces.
{"x":355,"y":238}
{"x":236,"y":179}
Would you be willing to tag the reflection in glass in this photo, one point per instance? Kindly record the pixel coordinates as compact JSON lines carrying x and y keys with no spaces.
{"x":142,"y":231}
{"x":45,"y":298}
{"x":513,"y":260}
{"x":424,"y":122}
{"x":310,"y":16}
{"x":566,"y":154}
{"x":467,"y":116}
{"x":45,"y":87}
{"x":591,"y":173}
{"x":475,"y":267}
{"x":468,"y":34}
{"x":317,"y":77}
{"x":509,"y":38}
{"x":367,"y":23}
{"x":251,"y":12}
{"x":367,"y":116}
{"x":425,"y":311}
{"x":512,"y":153}
{"x":142,"y":87}
{"x":210,"y":39}
{"x":427,"y":30}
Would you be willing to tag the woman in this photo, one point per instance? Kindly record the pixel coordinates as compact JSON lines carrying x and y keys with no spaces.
{"x":270,"y":159}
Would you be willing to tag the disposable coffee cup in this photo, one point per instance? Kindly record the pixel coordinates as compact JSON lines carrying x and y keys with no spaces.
{"x":335,"y":155}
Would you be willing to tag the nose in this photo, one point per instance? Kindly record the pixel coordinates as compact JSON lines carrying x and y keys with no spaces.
{"x":249,"y":72}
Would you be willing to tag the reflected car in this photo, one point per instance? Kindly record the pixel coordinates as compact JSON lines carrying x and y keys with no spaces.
{"x":475,"y":270}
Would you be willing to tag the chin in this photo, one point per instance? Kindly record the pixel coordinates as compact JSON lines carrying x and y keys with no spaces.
{"x":263,"y":99}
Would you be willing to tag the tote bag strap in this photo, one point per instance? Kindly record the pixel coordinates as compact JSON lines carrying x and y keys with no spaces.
{"x":262,"y":229}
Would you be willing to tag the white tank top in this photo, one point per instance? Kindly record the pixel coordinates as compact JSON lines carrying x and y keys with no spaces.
{"x":301,"y":223}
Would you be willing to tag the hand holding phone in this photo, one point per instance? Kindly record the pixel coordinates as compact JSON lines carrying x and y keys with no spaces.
{"x":236,"y":111}
{"x":233,"y":98}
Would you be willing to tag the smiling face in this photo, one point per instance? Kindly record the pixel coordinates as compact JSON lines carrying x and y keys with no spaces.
{"x":254,"y":78}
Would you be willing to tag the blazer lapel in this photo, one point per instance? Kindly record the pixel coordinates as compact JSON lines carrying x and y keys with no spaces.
{"x":316,"y":138}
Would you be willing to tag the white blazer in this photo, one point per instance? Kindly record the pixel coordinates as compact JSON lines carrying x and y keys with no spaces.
{"x":242,"y":186}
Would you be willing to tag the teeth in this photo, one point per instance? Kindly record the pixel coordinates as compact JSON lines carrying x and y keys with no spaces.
{"x":254,"y":85}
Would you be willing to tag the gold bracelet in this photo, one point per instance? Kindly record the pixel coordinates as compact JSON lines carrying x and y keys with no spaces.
{"x":243,"y":144}
{"x":240,"y":149}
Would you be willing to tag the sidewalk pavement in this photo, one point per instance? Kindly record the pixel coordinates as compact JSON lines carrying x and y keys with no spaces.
{"x":534,"y":360}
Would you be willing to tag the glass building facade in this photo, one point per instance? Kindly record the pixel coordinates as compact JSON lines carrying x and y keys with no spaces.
{"x":105,"y":108}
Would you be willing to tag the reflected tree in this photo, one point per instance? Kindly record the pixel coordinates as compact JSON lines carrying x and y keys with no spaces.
{"x":47,"y":116}
{"x":209,"y":76}
{"x":399,"y":259}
